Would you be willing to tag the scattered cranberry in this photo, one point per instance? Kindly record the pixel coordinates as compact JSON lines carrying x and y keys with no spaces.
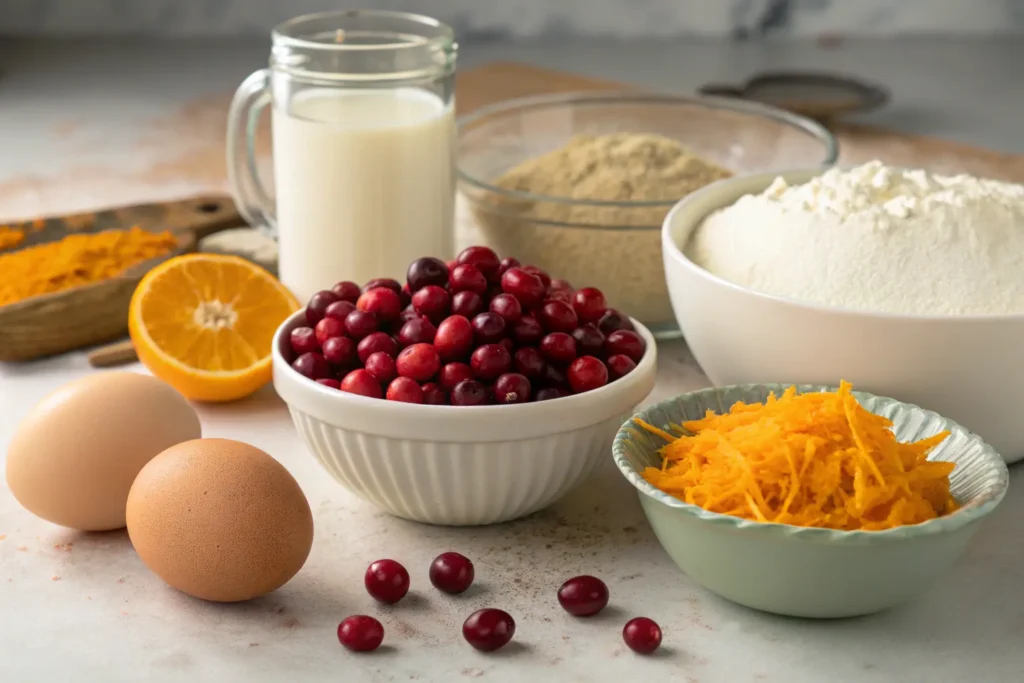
{"x":558,"y":316}
{"x":432,"y":301}
{"x":467,"y":278}
{"x":626,"y":342}
{"x":619,"y":366}
{"x":382,"y":302}
{"x":586,"y":374}
{"x":544,"y":277}
{"x":340,"y":352}
{"x":484,"y":259}
{"x":613,"y":320}
{"x":451,"y":572}
{"x":489,"y":629}
{"x":386,"y":581}
{"x":529,"y":362}
{"x":559,"y":347}
{"x":488,"y":328}
{"x":454,"y":338}
{"x":382,"y":367}
{"x":589,"y":340}
{"x":346,"y":291}
{"x":467,"y":304}
{"x":507,"y":263}
{"x":426,"y":271}
{"x":361,"y":382}
{"x":490,"y":360}
{"x":303,"y":340}
{"x":317,"y":306}
{"x":583,"y":596}
{"x":528,"y":331}
{"x":327,"y":328}
{"x":409,"y":313}
{"x":339,"y":310}
{"x":434,"y":395}
{"x":642,"y":635}
{"x":385,"y":282}
{"x":418,"y":331}
{"x":359,"y":324}
{"x":511,"y":388}
{"x":419,"y":362}
{"x":469,"y":392}
{"x":508,"y":307}
{"x":563,"y":295}
{"x":590,"y":304}
{"x":553,"y":377}
{"x":548,"y":393}
{"x":312,"y":365}
{"x":361,"y":633}
{"x":526,"y":287}
{"x":559,"y":285}
{"x":453,"y":373}
{"x":405,"y":390}
{"x":376,"y":342}
{"x":329,"y":382}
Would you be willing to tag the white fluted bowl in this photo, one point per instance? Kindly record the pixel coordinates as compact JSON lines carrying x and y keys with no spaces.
{"x":454,"y":465}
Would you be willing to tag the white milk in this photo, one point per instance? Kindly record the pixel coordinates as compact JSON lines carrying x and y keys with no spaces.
{"x":365,"y":185}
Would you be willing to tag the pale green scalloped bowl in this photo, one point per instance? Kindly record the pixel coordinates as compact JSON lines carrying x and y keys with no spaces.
{"x":812,"y":572}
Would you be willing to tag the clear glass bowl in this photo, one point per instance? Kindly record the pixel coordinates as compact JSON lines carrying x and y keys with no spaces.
{"x":619,"y":252}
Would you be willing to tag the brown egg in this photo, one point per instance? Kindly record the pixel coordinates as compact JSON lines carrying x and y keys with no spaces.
{"x":74,"y":457}
{"x":220,"y":520}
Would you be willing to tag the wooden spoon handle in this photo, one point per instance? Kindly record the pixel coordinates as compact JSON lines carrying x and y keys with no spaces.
{"x":111,"y":355}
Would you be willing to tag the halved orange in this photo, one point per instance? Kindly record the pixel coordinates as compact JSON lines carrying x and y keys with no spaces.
{"x":204,"y":324}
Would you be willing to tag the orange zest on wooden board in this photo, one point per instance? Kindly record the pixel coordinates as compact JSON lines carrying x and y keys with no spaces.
{"x":204,"y":323}
{"x":813,"y":460}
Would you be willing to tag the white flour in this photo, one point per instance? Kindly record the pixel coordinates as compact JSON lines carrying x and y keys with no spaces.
{"x":875,"y":238}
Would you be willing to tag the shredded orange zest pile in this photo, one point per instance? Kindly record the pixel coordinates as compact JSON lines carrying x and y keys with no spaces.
{"x":814,"y":460}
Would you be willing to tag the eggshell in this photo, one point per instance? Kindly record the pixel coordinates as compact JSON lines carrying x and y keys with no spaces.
{"x":220,"y":520}
{"x":74,"y":457}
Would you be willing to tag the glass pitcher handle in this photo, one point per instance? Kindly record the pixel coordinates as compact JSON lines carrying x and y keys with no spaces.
{"x":251,"y":198}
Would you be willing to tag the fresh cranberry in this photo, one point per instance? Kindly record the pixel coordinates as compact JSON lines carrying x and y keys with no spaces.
{"x":327,"y":328}
{"x":467,"y":304}
{"x":454,"y":338}
{"x":590,"y":304}
{"x":489,"y":361}
{"x":432,"y":301}
{"x":405,"y":390}
{"x":361,"y":633}
{"x":548,"y":393}
{"x":312,"y":365}
{"x":553,"y":377}
{"x":561,"y":295}
{"x":538,"y":272}
{"x":509,"y":345}
{"x":339,"y":310}
{"x":586,"y":374}
{"x":613,"y":320}
{"x":559,"y":347}
{"x":382,"y":367}
{"x":408,"y":313}
{"x":385,"y":282}
{"x":451,"y":572}
{"x":329,"y":382}
{"x":317,"y":306}
{"x":467,"y":278}
{"x":418,"y":331}
{"x":507,"y":263}
{"x":557,"y":316}
{"x":642,"y":635}
{"x":583,"y":596}
{"x":386,"y":581}
{"x":382,"y":302}
{"x":508,"y":307}
{"x":619,"y":366}
{"x":528,"y":331}
{"x":346,"y":291}
{"x":589,"y":340}
{"x":626,"y":342}
{"x":529,"y":362}
{"x":376,"y":342}
{"x":359,"y":324}
{"x":453,"y":373}
{"x":489,"y":629}
{"x":559,"y":285}
{"x":405,"y":295}
{"x":488,"y":328}
{"x":340,"y":352}
{"x":451,"y":266}
{"x":434,"y":395}
{"x":485,"y":260}
{"x":419,"y":362}
{"x":361,"y":382}
{"x":303,"y":340}
{"x":426,"y":271}
{"x":469,"y":392}
{"x":526,"y":287}
{"x":511,"y":388}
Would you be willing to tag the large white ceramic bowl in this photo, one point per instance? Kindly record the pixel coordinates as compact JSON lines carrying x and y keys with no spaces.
{"x":970,"y":368}
{"x":458,"y":465}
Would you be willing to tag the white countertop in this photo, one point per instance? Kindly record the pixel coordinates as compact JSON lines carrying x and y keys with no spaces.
{"x":79,"y":607}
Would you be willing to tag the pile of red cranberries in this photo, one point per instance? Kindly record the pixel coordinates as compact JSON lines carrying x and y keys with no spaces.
{"x":488,"y":629}
{"x":475,"y":331}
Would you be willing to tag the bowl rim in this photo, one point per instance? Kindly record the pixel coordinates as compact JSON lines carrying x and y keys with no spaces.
{"x":947,"y":524}
{"x":671,"y":250}
{"x":590,"y":98}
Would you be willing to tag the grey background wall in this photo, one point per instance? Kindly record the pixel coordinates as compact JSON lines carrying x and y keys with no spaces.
{"x":497,"y":19}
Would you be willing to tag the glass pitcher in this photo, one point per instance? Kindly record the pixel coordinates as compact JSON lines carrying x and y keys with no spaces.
{"x":362,"y":116}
